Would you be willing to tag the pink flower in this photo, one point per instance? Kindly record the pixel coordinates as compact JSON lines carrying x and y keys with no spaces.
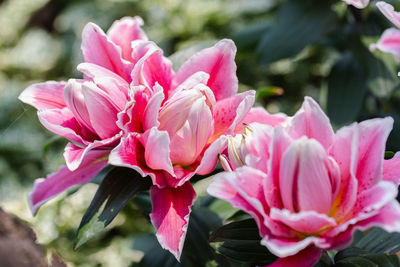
{"x":134,"y":111}
{"x":390,"y":39}
{"x":309,"y":188}
{"x":85,"y":110}
{"x":179,"y":136}
{"x":357,"y":3}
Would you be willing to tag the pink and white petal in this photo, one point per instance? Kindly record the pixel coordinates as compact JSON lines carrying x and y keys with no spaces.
{"x":305,"y":258}
{"x":150,"y":115}
{"x":75,"y":101}
{"x":153,"y":68}
{"x":130,"y":153}
{"x":369,"y":203}
{"x":372,"y":136}
{"x":74,"y":155}
{"x":308,"y":222}
{"x":345,"y":152}
{"x":210,"y":157}
{"x":124,"y":31}
{"x":243,"y":189}
{"x":95,"y":72}
{"x":157,"y":152}
{"x":219,"y":62}
{"x":102,"y":111}
{"x":63,"y":123}
{"x":387,"y":218}
{"x":56,"y":183}
{"x":47,"y":95}
{"x":262,"y":116}
{"x":98,"y":49}
{"x":357,"y":3}
{"x":280,"y":142}
{"x":389,"y":42}
{"x":285,"y":247}
{"x":229,"y":112}
{"x":312,"y":122}
{"x":170,"y":215}
{"x":391,"y":169}
{"x":389,"y":12}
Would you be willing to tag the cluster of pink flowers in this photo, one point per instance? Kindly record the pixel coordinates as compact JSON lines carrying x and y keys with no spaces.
{"x":307,"y":187}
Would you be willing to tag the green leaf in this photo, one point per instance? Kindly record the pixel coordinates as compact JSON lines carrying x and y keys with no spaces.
{"x":298,"y":24}
{"x":389,"y":154}
{"x":380,"y":241}
{"x":353,"y":256}
{"x":247,"y":251}
{"x":346,"y":90}
{"x":115,"y":190}
{"x":242,"y":243}
{"x":241,"y":230}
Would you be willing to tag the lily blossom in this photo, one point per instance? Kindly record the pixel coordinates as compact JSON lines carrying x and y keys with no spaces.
{"x":85,"y":110}
{"x":181,"y":138}
{"x":309,"y":188}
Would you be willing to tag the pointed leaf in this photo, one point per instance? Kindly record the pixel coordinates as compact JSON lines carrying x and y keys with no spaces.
{"x":115,"y":190}
{"x":241,"y":230}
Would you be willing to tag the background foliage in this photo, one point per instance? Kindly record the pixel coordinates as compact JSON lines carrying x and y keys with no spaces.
{"x":286,"y":49}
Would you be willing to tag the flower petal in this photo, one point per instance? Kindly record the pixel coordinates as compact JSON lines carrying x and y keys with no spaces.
{"x":391,"y":169}
{"x":371,"y":148}
{"x":130,"y":153}
{"x":312,"y":122}
{"x":153,"y":68}
{"x":357,"y":3}
{"x":56,"y":183}
{"x":243,"y":189}
{"x":389,"y":12}
{"x":63,"y":123}
{"x":102,"y":110}
{"x":305,"y":258}
{"x":157,"y":152}
{"x":170,"y":215}
{"x":98,"y":49}
{"x":389,"y":42}
{"x":47,"y":95}
{"x":260,"y":115}
{"x":307,"y":222}
{"x":124,"y":31}
{"x":219,"y":62}
{"x":229,"y":112}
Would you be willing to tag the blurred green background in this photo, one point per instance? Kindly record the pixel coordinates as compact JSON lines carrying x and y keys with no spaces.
{"x":286,"y":50}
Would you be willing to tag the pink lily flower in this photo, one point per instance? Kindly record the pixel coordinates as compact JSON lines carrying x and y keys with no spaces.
{"x":85,"y":110}
{"x":179,"y":136}
{"x":357,"y":3}
{"x":389,"y":42}
{"x":309,"y":188}
{"x":134,"y":111}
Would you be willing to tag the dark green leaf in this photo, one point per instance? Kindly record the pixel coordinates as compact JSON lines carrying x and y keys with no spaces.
{"x":298,"y":24}
{"x":380,"y":241}
{"x":354,"y":256}
{"x":346,"y":90}
{"x":115,"y":190}
{"x":247,"y":251}
{"x":389,"y":154}
{"x":241,"y":230}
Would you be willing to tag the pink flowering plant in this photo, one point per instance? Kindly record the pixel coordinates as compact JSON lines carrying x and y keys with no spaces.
{"x":152,"y":132}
